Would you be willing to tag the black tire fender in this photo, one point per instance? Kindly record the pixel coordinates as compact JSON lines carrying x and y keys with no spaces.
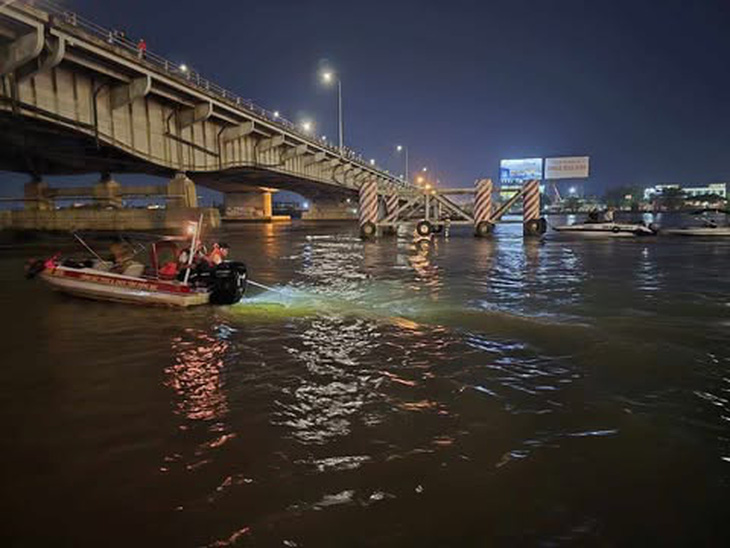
{"x":424,"y":228}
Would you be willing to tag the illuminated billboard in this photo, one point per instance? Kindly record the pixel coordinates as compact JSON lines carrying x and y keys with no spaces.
{"x":569,"y":167}
{"x":516,"y":172}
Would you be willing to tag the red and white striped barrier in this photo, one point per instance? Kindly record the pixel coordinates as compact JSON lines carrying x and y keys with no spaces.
{"x":483,"y":207}
{"x":531,"y":208}
{"x":391,"y":204}
{"x":368,"y":209}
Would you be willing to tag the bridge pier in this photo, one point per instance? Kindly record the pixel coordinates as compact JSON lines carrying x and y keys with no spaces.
{"x":330,"y":209}
{"x":254,"y":205}
{"x":107,"y":192}
{"x":181,"y":192}
{"x":37,"y":197}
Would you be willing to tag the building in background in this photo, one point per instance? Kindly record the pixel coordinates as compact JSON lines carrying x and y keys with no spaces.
{"x":712,"y":189}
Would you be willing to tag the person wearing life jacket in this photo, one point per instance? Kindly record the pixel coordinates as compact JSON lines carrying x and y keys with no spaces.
{"x":218,"y":254}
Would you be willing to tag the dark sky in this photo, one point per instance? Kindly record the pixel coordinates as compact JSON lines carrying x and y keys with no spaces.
{"x":642,"y":87}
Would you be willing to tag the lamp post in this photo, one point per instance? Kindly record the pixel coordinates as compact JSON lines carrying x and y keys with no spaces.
{"x":404,"y":150}
{"x":328,"y":77}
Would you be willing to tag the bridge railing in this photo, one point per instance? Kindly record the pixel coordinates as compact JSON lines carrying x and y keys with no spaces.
{"x":180,"y":71}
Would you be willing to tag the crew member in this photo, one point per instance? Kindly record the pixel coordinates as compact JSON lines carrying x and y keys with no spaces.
{"x":218,"y":254}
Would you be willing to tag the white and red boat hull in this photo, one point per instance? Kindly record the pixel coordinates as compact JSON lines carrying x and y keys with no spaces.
{"x":108,"y":286}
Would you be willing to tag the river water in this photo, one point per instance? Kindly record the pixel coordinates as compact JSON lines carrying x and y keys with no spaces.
{"x":468,"y":393}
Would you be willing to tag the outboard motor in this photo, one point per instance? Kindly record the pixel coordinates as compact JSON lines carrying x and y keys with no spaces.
{"x":227,"y":282}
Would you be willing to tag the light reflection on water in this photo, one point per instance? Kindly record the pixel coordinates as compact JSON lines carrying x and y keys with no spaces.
{"x":394,"y":393}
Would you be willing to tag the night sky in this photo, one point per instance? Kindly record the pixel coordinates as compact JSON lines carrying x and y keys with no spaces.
{"x":642,"y":87}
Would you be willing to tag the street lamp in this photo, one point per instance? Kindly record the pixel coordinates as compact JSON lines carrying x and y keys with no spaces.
{"x":307,"y":126}
{"x":329,"y":77}
{"x":276,"y":114}
{"x":404,"y":150}
{"x":372,"y":161}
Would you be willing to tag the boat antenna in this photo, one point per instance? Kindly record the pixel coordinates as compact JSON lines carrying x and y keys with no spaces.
{"x":83,"y":243}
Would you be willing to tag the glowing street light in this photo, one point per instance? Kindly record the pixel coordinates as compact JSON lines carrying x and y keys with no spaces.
{"x":420,"y":180}
{"x":183,"y":68}
{"x":404,"y":150}
{"x":307,"y":126}
{"x":572,"y":190}
{"x":276,"y":114}
{"x":372,"y":161}
{"x":328,"y":77}
{"x":424,"y":169}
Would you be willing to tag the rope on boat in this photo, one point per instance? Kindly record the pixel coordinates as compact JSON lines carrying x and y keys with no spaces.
{"x":266,"y":287}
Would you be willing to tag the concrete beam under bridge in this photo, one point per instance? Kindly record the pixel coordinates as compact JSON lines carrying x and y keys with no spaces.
{"x":125,"y":94}
{"x":271,"y":142}
{"x":190,"y":116}
{"x":236,"y":132}
{"x":23,"y":50}
{"x":51,"y":56}
{"x":294,"y":152}
{"x":315,"y":159}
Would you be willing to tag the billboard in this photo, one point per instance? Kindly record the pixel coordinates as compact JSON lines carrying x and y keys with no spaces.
{"x":520,"y":170}
{"x":568,"y":167}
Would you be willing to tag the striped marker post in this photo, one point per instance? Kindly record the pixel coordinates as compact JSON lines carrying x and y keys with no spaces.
{"x":483,"y":208}
{"x":368,"y":209}
{"x":531,"y":209}
{"x":391,"y":204}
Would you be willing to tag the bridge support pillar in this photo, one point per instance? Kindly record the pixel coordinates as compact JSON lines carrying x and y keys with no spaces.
{"x":330,"y":209}
{"x":37,"y":196}
{"x":107,"y":193}
{"x":181,"y":192}
{"x":254,"y":205}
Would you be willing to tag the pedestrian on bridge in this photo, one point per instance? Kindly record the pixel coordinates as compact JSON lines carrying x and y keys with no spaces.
{"x":141,"y":48}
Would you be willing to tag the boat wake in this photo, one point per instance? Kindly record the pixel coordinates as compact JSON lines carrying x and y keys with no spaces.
{"x":381,"y":306}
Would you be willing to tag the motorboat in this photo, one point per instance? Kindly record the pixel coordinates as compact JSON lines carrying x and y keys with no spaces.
{"x":709,"y":228}
{"x":165,"y":280}
{"x":607,"y":229}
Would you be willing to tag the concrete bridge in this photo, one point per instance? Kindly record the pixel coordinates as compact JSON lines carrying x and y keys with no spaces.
{"x":78,"y":98}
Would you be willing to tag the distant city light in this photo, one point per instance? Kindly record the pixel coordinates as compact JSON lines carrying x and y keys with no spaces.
{"x":425,"y":169}
{"x":572,"y":190}
{"x":428,"y":186}
{"x":324,"y":137}
{"x":305,"y":205}
{"x":419,"y":180}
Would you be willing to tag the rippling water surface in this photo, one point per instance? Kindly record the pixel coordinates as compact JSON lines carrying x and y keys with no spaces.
{"x":469,"y":393}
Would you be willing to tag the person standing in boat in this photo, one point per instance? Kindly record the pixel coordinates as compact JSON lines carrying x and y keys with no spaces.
{"x":608,"y":215}
{"x":218,"y":254}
